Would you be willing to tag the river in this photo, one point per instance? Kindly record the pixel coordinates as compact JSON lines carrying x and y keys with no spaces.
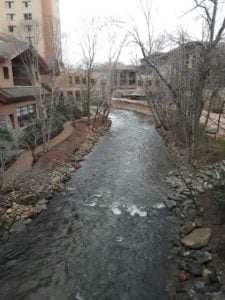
{"x":106,"y":236}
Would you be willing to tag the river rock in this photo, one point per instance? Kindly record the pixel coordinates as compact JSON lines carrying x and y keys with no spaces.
{"x":196,"y":269}
{"x":9,"y":211}
{"x":28,"y":199}
{"x":40,"y":207}
{"x":200,"y":285}
{"x":171,"y":204}
{"x":30,"y":214}
{"x":209,"y":273}
{"x":17,"y":227}
{"x":187,"y":228}
{"x":202,"y":257}
{"x":198,"y":238}
{"x":56,"y":181}
{"x":27,"y":221}
{"x":44,"y":195}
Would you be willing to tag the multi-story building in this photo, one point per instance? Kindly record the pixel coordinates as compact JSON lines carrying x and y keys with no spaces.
{"x":18,"y":93}
{"x":122,"y":80}
{"x":34,"y":21}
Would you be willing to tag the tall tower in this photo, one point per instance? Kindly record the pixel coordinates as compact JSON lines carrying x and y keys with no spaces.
{"x":34,"y":21}
{"x":51,"y":29}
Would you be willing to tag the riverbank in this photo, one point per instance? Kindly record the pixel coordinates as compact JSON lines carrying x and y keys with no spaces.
{"x":197,"y":201}
{"x":30,"y":194}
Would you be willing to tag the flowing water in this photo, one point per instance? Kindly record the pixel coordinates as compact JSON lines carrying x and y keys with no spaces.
{"x":106,"y":236}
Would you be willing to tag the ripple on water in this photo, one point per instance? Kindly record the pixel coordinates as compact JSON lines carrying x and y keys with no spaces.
{"x":159,"y":205}
{"x":116,"y":210}
{"x":133,"y":210}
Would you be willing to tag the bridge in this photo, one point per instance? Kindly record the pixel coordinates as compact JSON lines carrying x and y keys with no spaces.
{"x":134,"y":105}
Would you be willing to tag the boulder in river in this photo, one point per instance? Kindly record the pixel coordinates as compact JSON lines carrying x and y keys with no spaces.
{"x":171,"y":204}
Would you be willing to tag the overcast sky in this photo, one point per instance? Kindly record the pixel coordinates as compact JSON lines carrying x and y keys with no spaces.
{"x":169,"y":17}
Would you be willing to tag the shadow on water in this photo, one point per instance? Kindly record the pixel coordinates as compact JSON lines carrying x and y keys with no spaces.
{"x":104,"y":237}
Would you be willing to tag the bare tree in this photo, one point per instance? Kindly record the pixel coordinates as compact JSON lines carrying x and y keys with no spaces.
{"x":42,"y":75}
{"x":89,"y":46}
{"x":183,"y":82}
{"x":106,"y":72}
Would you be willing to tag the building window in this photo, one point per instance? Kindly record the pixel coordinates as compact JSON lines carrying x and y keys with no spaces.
{"x":70,"y":80}
{"x":27,"y":16}
{"x":26,"y":4}
{"x":28,"y":28}
{"x":93,"y":81}
{"x":132,"y":78}
{"x":149,"y":82}
{"x":123,"y":78}
{"x":84,"y":80}
{"x":10,"y":17}
{"x":11,"y":28}
{"x":77,"y":79}
{"x":25,"y":114}
{"x":6,"y":72}
{"x":9,"y":4}
{"x":78,"y":95}
{"x":70,"y":95}
{"x":29,"y":39}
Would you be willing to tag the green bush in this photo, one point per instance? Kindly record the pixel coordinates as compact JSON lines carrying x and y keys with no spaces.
{"x":31,"y":136}
{"x":5,"y":135}
{"x":65,"y":112}
{"x":57,"y":124}
{"x":77,"y":112}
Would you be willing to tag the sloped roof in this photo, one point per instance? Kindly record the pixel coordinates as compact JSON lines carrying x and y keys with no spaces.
{"x":9,"y":50}
{"x":9,"y":95}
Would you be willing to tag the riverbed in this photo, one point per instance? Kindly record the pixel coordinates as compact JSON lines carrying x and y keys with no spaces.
{"x":106,"y":235}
